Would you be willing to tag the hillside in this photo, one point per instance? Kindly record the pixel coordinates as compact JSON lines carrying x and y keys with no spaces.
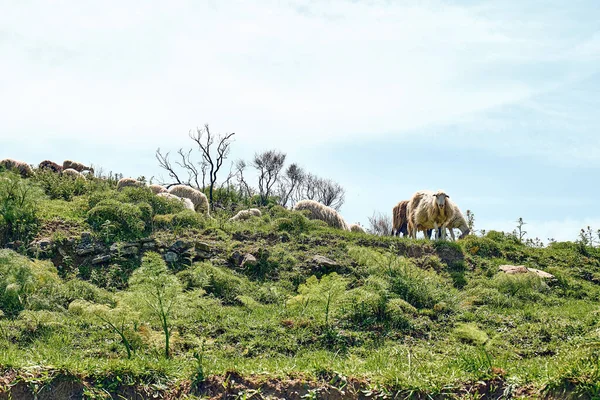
{"x":95,"y":282}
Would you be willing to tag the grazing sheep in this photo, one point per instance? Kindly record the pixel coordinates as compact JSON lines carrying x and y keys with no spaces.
{"x":21,"y":167}
{"x":197,"y":197}
{"x":187,"y":203}
{"x":77,"y":166}
{"x":246,"y":214}
{"x":323,"y":213}
{"x":399,"y":219}
{"x":457,"y":221}
{"x":357,"y":228}
{"x":427,"y":210}
{"x":156,"y":189}
{"x":71,"y":173}
{"x":50,"y":166}
{"x":128,"y":182}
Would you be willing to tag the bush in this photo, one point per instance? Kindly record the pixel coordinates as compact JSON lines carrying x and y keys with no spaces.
{"x":219,"y":282}
{"x":181,"y":220}
{"x":57,"y":186}
{"x":127,"y":221}
{"x":18,"y":199}
{"x":482,"y":247}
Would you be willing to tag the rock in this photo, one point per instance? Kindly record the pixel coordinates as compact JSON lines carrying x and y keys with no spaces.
{"x":103,"y":258}
{"x":513,"y":269}
{"x":86,"y":237}
{"x":148,"y":245}
{"x":85,"y":250}
{"x":201,"y":246}
{"x":237,"y":258}
{"x":180,"y":246}
{"x":323,"y":261}
{"x":147,"y":240}
{"x":44,"y":244}
{"x":521,"y":269}
{"x":171,"y":257}
{"x":249,"y":261}
{"x":541,"y":274}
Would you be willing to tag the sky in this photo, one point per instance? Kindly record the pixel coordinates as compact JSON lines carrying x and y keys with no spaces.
{"x":494,"y":101}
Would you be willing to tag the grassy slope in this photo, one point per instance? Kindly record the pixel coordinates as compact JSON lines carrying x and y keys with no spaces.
{"x":415,"y":324}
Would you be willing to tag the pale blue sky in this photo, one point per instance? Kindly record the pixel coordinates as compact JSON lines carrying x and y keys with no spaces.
{"x":494,"y":101}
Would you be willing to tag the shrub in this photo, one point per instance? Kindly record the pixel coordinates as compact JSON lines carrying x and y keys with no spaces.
{"x":220,"y":282}
{"x":128,"y":220}
{"x":181,"y":220}
{"x":18,"y":199}
{"x":57,"y":186}
{"x":483,"y":247}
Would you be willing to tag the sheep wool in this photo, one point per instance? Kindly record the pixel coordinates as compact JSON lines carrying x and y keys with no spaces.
{"x":427,"y":210}
{"x":51,"y":166}
{"x":21,"y":167}
{"x":246,"y":214}
{"x":156,"y":189}
{"x":198,"y":198}
{"x":357,"y":228}
{"x":77,"y":166}
{"x":187,"y":203}
{"x":457,"y":221}
{"x":128,"y":182}
{"x":71,"y":173}
{"x":322,"y":212}
{"x":400,"y":219}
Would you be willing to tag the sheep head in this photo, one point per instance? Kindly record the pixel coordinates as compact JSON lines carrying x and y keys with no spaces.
{"x":440,"y":199}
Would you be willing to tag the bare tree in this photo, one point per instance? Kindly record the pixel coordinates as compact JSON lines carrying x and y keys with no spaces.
{"x":269,"y":164}
{"x":204,"y":139}
{"x":240,"y":167}
{"x":291,"y":180}
{"x":324,"y":191}
{"x":380,"y":224}
{"x":210,"y":164}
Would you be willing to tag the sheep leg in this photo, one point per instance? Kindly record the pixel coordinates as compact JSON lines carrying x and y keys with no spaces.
{"x":452,"y":234}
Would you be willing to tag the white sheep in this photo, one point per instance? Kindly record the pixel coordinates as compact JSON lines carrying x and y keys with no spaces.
{"x":322,"y":212}
{"x":77,"y":166}
{"x":21,"y":167}
{"x":356,"y":228}
{"x":246,"y":214}
{"x":71,"y":173}
{"x":427,"y":210}
{"x":457,"y":221}
{"x":198,"y":198}
{"x":128,"y":182}
{"x":156,"y":189}
{"x":187,"y":203}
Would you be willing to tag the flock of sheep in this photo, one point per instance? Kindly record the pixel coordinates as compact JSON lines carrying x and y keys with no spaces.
{"x":426,"y":211}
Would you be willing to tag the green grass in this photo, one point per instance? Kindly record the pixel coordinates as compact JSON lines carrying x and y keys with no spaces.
{"x":410,"y":316}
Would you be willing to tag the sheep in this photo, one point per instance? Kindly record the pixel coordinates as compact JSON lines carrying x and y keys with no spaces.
{"x":246,"y":214}
{"x":399,"y":219}
{"x":323,"y":213}
{"x":70,"y":172}
{"x":156,"y":189}
{"x":457,"y":221}
{"x":51,"y":166}
{"x":427,"y":210}
{"x":197,"y":197}
{"x":21,"y":167}
{"x":77,"y":166}
{"x":187,"y":203}
{"x":128,"y":182}
{"x":356,"y":228}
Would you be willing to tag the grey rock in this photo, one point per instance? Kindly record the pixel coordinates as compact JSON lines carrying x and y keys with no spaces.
{"x":181,"y":245}
{"x":323,"y":261}
{"x":201,"y":246}
{"x":521,"y":269}
{"x":148,"y":245}
{"x":171,"y":257}
{"x":103,"y":258}
{"x":249,"y":261}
